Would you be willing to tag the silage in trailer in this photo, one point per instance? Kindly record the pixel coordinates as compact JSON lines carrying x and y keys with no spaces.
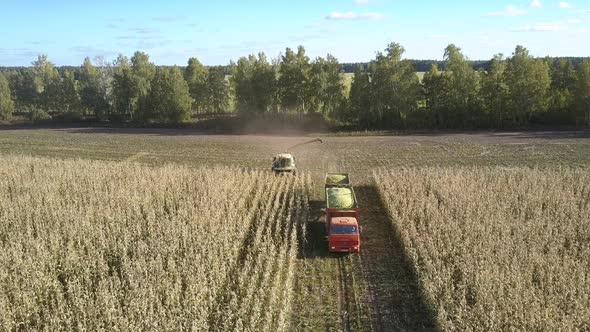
{"x":337,"y":179}
{"x":340,"y":198}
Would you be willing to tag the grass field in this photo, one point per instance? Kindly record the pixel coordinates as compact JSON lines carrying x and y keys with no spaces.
{"x":382,"y":289}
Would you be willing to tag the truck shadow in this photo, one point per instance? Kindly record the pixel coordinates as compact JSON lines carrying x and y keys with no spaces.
{"x":397,"y":300}
{"x":314,"y":245}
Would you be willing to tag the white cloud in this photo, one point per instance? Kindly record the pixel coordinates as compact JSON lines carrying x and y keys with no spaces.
{"x":354,"y":16}
{"x":362,"y":2}
{"x":542,"y":27}
{"x":536,"y":4}
{"x":175,"y":18}
{"x":509,"y":11}
{"x":565,"y":5}
{"x":548,"y":27}
{"x":566,"y":25}
{"x":439,"y":36}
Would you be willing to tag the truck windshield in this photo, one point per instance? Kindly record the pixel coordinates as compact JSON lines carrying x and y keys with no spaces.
{"x":284,"y":162}
{"x":337,"y":229}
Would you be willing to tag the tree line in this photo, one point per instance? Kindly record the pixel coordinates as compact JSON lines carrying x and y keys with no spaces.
{"x":514,"y":91}
{"x":349,"y":67}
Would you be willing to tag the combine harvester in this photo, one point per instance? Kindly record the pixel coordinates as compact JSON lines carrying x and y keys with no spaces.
{"x":285,"y":162}
{"x":342,"y":214}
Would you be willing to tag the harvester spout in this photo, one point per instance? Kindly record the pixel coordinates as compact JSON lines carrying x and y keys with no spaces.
{"x":304,"y":143}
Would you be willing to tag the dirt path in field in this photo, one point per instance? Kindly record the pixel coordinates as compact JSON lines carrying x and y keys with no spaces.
{"x":395,"y":296}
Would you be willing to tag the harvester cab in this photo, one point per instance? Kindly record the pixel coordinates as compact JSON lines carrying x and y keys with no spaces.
{"x":285,"y":162}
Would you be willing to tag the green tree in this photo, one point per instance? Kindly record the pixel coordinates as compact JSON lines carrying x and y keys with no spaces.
{"x":91,"y":96}
{"x":217,"y":93}
{"x":142,"y":73}
{"x":436,"y":95}
{"x":22,"y":86}
{"x":528,"y":84}
{"x":254,"y":82}
{"x":494,"y":91}
{"x":582,"y":90}
{"x":122,"y":87}
{"x":395,"y":87}
{"x":196,"y":76}
{"x":46,"y":81}
{"x":325,"y":88}
{"x":6,"y":103}
{"x":169,"y":98}
{"x":563,"y":75}
{"x":294,"y":72}
{"x":131,"y":85}
{"x":105,"y":83}
{"x":463,"y":89}
{"x":241,"y":79}
{"x":359,"y":99}
{"x":563,"y":84}
{"x":264,"y":81}
{"x":316,"y":79}
{"x":333,"y":87}
{"x":68,"y":100}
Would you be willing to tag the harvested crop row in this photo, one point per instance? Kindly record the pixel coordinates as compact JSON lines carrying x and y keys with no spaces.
{"x":95,"y":245}
{"x":258,"y":295}
{"x":496,"y":249}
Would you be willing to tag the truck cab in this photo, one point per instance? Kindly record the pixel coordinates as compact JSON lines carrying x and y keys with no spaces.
{"x":343,"y":235}
{"x":342,"y":214}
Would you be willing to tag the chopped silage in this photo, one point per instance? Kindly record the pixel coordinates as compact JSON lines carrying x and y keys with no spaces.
{"x":337,"y":179}
{"x":340,"y":197}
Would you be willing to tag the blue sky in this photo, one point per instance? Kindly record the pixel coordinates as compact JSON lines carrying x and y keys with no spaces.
{"x":352,"y":30}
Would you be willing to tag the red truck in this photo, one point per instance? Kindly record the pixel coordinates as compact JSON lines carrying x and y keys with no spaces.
{"x":342,"y":214}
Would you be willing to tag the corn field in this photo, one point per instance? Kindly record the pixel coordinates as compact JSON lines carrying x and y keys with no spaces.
{"x":496,"y":249}
{"x":87,"y":245}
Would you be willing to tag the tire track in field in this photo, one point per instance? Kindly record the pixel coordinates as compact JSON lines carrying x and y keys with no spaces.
{"x":376,"y":314}
{"x":391,"y":291}
{"x":136,"y":157}
{"x":339,"y":297}
{"x":390,"y":297}
{"x":343,"y":295}
{"x":329,"y":164}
